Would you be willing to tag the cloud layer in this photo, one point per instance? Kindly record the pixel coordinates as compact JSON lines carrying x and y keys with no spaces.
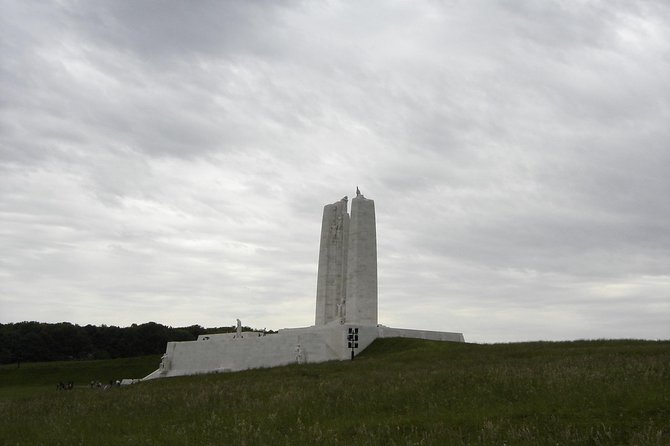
{"x":169,"y":161}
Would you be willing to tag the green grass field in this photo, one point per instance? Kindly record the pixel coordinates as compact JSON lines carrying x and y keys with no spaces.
{"x":398,"y":392}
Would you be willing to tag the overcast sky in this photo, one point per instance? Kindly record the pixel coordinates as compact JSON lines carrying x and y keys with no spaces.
{"x":169,"y":161}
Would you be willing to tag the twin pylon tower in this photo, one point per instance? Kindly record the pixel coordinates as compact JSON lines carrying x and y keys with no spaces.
{"x":346,"y":290}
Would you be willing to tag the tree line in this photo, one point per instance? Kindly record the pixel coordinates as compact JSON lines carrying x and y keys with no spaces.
{"x":39,"y":341}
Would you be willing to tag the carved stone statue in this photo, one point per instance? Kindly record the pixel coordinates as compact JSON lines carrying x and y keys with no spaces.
{"x":358,"y":191}
{"x":341,"y":309}
{"x":299,"y":354}
{"x":165,"y":363}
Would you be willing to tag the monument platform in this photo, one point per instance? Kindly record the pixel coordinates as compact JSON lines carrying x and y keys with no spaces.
{"x":230,"y":352}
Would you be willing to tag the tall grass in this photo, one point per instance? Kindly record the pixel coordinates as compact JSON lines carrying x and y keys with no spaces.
{"x":399,"y":391}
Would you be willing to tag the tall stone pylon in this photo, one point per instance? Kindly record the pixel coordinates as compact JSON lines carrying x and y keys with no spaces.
{"x":361,"y":285}
{"x":346,"y":289}
{"x":332,"y":271}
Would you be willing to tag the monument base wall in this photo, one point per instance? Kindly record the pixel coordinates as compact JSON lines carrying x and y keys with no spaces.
{"x":231,"y":353}
{"x":389,"y":332}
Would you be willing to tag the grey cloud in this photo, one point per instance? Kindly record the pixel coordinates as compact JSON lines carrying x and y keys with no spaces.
{"x":181,"y":30}
{"x":174,"y":159}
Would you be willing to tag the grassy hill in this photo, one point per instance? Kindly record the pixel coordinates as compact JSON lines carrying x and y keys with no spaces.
{"x":399,"y":391}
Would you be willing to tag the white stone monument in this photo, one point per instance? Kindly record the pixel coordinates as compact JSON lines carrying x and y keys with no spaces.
{"x":332,"y":273}
{"x":346,"y":289}
{"x":361,"y":291}
{"x":346,"y":309}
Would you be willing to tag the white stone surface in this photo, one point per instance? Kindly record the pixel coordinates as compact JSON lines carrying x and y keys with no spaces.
{"x":332,"y":270}
{"x":347,"y":275}
{"x":390,"y":332}
{"x":229,"y":354}
{"x":243,"y":334}
{"x":226,"y":353}
{"x":361,"y":295}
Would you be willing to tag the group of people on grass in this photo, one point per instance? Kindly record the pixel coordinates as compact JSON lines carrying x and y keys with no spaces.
{"x":93,"y":385}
